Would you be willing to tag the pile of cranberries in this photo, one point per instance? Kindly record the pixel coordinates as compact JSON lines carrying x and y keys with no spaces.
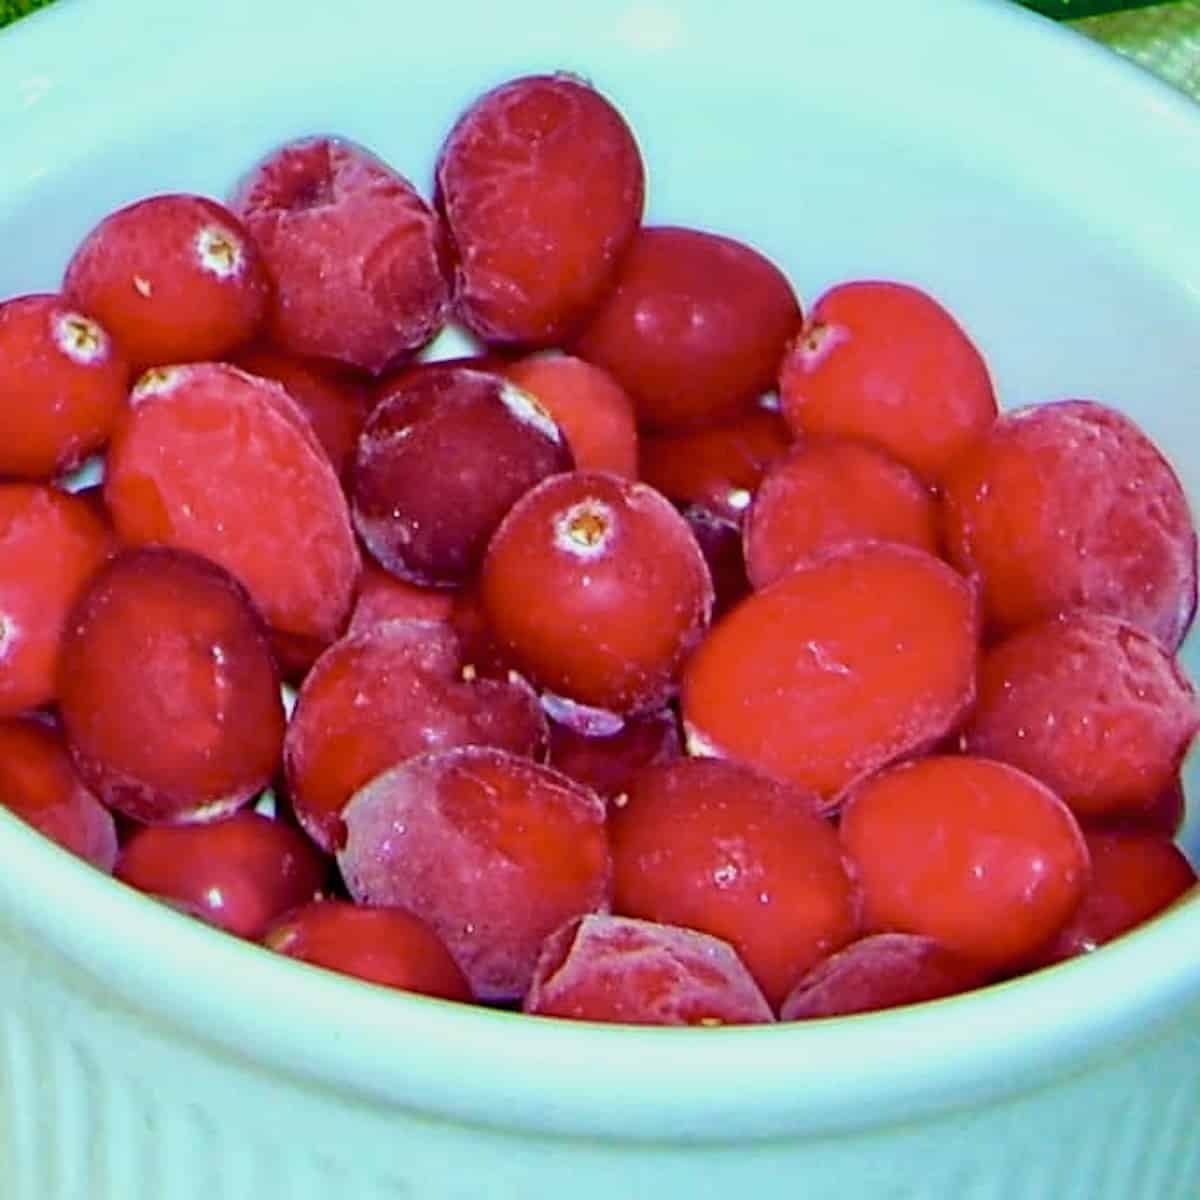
{"x":678,"y":657}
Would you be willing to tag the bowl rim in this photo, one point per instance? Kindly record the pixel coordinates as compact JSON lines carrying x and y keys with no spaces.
{"x":577,"y":1078}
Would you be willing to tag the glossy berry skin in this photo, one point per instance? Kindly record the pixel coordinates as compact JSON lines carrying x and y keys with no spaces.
{"x":850,"y":662}
{"x":357,"y":255}
{"x":51,"y":543}
{"x":1069,"y":505}
{"x":224,"y":464}
{"x":1134,"y":877}
{"x":541,"y":185}
{"x":494,"y":852}
{"x":376,"y":698}
{"x":174,"y":278}
{"x":827,"y":493}
{"x":886,"y":362}
{"x":596,"y":588}
{"x":720,"y":541}
{"x":715,"y":847}
{"x":879,"y":971}
{"x":589,"y":406}
{"x":39,"y":784}
{"x":388,"y":946}
{"x":444,"y":455}
{"x":168,"y":693}
{"x":972,"y":852}
{"x":62,"y":383}
{"x":1090,"y":705}
{"x":629,"y":972}
{"x":694,"y":328}
{"x":239,"y":874}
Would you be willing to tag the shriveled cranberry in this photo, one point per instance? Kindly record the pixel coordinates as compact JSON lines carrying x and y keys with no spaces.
{"x":357,"y":255}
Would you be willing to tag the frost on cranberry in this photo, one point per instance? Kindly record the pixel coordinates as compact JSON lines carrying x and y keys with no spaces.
{"x":630,"y":972}
{"x":1092,"y":706}
{"x":444,"y":455}
{"x":168,"y":693}
{"x":492,"y":851}
{"x":597,"y":589}
{"x":388,"y":693}
{"x":356,"y":253}
{"x":541,"y":184}
{"x":1070,"y":505}
{"x":221,"y":463}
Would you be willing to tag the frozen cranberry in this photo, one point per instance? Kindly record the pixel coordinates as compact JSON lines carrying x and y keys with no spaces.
{"x":50,"y":545}
{"x":334,"y":400}
{"x":717,"y":467}
{"x":886,"y":362}
{"x":1092,"y":706}
{"x":596,"y":587}
{"x":381,"y":945}
{"x":695,"y":327}
{"x":383,"y":597}
{"x":168,"y":693}
{"x":972,"y":852}
{"x":1069,"y":505}
{"x":222,"y":463}
{"x":829,"y":492}
{"x":629,"y":972}
{"x":443,"y":457}
{"x":882,"y":970}
{"x":1134,"y":877}
{"x":493,"y":851}
{"x":541,"y":184}
{"x":588,"y":405}
{"x":239,"y":874}
{"x":62,"y":383}
{"x":173,"y":278}
{"x":606,"y":762}
{"x":1164,"y":814}
{"x":720,"y":541}
{"x":378,"y":697}
{"x":356,"y":254}
{"x":716,"y":847}
{"x":39,"y":783}
{"x":848,"y":663}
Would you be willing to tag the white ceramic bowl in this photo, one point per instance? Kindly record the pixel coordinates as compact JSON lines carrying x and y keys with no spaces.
{"x":1048,"y":194}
